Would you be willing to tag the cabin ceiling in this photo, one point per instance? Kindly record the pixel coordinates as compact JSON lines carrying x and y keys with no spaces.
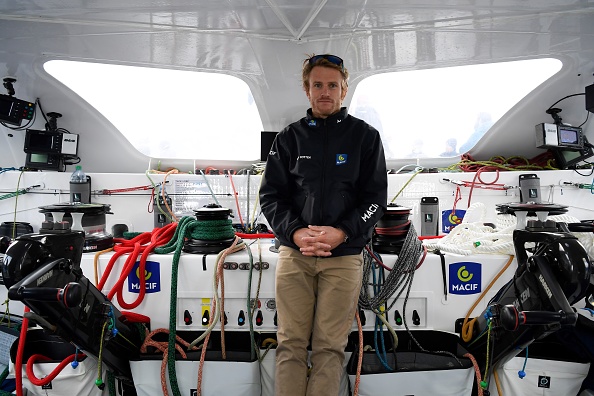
{"x":247,"y":36}
{"x":264,"y":42}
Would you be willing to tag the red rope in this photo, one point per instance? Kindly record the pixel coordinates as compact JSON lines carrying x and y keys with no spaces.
{"x":254,"y":236}
{"x":46,"y":380}
{"x":18,"y":372}
{"x":144,"y":243}
{"x":236,"y":200}
{"x":477,"y":373}
{"x":123,"y":190}
{"x":163,"y":347}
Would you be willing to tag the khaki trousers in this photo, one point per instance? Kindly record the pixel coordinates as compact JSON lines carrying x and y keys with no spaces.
{"x":315,"y":297}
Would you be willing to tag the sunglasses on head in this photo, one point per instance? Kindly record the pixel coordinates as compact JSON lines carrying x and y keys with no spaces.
{"x":330,"y":58}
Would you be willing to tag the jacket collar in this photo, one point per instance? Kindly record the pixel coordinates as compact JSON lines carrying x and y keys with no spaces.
{"x":332,"y":120}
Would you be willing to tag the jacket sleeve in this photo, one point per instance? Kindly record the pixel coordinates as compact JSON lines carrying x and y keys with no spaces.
{"x":276,"y":193}
{"x":372,"y":191}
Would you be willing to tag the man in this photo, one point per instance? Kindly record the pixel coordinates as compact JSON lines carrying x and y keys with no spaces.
{"x":323,"y":190}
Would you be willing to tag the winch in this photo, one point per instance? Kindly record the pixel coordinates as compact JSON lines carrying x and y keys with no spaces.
{"x":89,"y":217}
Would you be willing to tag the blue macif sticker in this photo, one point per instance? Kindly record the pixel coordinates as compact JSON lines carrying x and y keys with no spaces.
{"x":450,"y":219}
{"x":151,"y":278}
{"x":312,"y":123}
{"x":341,"y":159}
{"x":465,"y":278}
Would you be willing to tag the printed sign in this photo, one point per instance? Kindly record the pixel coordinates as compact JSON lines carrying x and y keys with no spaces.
{"x":450,"y":220}
{"x":151,"y":278}
{"x":465,"y":278}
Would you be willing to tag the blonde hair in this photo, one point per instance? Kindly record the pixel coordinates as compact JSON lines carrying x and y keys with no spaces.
{"x":308,"y":66}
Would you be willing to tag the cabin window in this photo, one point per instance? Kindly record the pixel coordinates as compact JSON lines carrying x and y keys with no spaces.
{"x":444,"y":112}
{"x":168,"y":113}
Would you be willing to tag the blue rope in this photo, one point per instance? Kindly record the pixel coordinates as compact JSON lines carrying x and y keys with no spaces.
{"x":522,"y":373}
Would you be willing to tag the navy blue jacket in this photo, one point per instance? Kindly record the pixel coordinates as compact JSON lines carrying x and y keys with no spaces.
{"x":326,"y":172}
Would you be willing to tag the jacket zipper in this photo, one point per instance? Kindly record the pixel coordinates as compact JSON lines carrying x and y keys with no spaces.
{"x":323,"y":186}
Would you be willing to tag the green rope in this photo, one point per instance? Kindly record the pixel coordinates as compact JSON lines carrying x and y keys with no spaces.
{"x":187,"y":227}
{"x":130,"y":235}
{"x":111,"y":383}
{"x":13,"y":194}
{"x":175,"y":244}
{"x":2,"y":379}
{"x":249,"y":305}
{"x":212,"y":234}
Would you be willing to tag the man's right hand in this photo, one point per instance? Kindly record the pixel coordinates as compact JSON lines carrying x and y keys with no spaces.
{"x":312,"y":243}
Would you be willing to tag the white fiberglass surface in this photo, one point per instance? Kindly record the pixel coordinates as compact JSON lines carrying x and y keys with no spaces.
{"x":168,"y":113}
{"x":444,"y":112}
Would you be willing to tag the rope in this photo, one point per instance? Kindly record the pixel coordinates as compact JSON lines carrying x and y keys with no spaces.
{"x":360,"y":357}
{"x":144,"y":243}
{"x":176,"y":243}
{"x":397,"y":282}
{"x":484,"y":383}
{"x":467,"y":326}
{"x":217,"y":307}
{"x":20,"y":351}
{"x":96,"y":263}
{"x":543,"y":161}
{"x":45,"y":380}
{"x":237,"y":202}
{"x":477,"y":373}
{"x":124,"y":190}
{"x":163,"y":347}
{"x":251,"y":308}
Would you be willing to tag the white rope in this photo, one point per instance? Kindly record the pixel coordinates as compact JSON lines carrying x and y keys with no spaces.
{"x":473,"y":237}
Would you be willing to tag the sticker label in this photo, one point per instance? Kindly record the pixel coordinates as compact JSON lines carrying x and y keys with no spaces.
{"x":465,"y":278}
{"x":544,"y":381}
{"x":151,"y":278}
{"x":450,"y":220}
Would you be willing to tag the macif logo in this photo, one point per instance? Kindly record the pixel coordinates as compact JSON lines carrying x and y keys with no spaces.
{"x":151,"y":278}
{"x":341,"y":159}
{"x":465,"y":278}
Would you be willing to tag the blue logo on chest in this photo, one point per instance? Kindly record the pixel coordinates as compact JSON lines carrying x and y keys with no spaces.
{"x":341,"y":159}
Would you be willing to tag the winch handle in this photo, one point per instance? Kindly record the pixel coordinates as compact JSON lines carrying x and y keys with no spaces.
{"x":70,"y":295}
{"x":510,"y":318}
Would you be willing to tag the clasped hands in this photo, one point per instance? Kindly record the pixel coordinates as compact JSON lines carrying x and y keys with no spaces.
{"x":318,"y":241}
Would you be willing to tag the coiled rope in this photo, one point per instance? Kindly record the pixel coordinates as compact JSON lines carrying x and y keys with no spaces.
{"x":472,"y":236}
{"x":183,"y":230}
{"x":396,"y":283}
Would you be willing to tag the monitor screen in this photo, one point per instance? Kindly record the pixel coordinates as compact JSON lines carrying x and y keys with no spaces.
{"x":568,"y":136}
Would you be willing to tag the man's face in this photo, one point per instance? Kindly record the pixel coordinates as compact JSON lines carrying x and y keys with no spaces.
{"x":325,"y":91}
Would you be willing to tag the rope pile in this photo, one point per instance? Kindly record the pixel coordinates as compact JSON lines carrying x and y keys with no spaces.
{"x":473,"y":237}
{"x":543,"y":161}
